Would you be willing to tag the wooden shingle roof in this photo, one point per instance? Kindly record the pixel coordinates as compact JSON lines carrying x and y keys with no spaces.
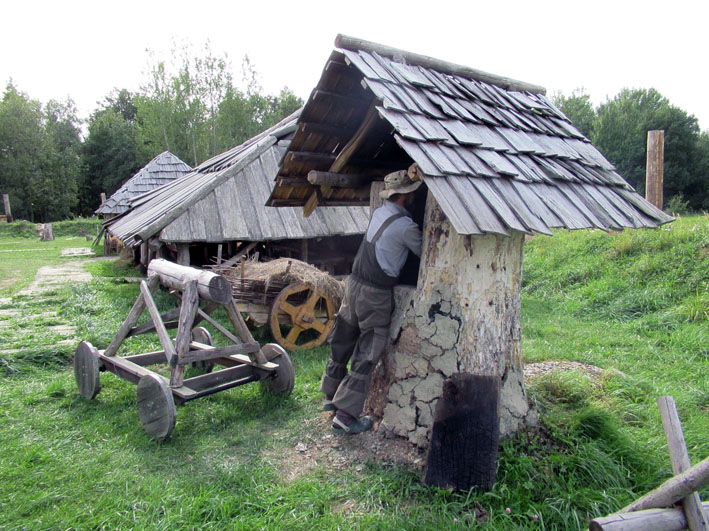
{"x":495,"y":153}
{"x":161,"y":170}
{"x":224,"y":198}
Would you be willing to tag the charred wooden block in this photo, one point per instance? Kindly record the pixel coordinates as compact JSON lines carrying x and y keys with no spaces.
{"x":465,"y":434}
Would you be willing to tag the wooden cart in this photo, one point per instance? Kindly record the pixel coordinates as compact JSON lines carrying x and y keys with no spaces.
{"x":298,"y":314}
{"x":199,"y":293}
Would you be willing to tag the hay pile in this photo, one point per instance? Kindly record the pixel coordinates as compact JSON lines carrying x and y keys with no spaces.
{"x":271,"y":277}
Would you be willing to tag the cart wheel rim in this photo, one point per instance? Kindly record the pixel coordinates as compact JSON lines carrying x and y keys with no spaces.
{"x":86,"y":370}
{"x":316,"y":315}
{"x":202,"y":335}
{"x":282,"y":381}
{"x":156,"y":407}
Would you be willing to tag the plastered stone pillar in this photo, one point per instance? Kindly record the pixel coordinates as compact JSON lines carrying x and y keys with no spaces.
{"x":463,"y":316}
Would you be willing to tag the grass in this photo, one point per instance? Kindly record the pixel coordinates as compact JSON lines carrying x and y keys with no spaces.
{"x":72,"y":463}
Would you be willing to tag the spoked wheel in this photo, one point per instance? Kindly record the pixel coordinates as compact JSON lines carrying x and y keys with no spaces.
{"x":86,"y":369}
{"x":202,"y":335}
{"x":282,"y":380}
{"x":156,"y":407}
{"x":310,"y":313}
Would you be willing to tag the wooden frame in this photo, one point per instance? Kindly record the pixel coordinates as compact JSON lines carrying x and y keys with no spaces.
{"x":244,"y":360}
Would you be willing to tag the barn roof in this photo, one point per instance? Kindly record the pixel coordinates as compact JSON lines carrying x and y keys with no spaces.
{"x":224,"y":198}
{"x":161,"y":170}
{"x":495,"y":153}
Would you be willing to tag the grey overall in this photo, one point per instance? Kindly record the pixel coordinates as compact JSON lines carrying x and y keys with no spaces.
{"x":361,"y":329}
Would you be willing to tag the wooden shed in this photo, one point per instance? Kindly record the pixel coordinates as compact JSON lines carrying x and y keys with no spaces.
{"x":499,"y":162}
{"x":163,"y":169}
{"x":218,"y":210}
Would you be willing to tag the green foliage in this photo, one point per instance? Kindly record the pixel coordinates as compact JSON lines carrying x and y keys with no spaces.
{"x":39,"y":156}
{"x":578,"y":109}
{"x":110,"y":156}
{"x":620,"y":132}
{"x":234,"y":460}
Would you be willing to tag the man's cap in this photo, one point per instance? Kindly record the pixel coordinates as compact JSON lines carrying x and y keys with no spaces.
{"x":399,"y":182}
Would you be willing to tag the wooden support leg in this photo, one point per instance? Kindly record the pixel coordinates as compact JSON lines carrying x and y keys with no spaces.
{"x":165,"y":340}
{"x":130,"y":321}
{"x":188,"y":311}
{"x":242,"y":330}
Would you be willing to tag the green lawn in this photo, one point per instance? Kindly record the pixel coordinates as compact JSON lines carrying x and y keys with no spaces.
{"x":233,"y":460}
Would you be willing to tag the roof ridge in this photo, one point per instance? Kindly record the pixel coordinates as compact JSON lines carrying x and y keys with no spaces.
{"x":346,"y":42}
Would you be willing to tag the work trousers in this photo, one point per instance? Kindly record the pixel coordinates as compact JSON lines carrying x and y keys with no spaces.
{"x":360,"y":336}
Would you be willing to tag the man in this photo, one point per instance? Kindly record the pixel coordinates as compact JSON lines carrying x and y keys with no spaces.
{"x":362,"y":325}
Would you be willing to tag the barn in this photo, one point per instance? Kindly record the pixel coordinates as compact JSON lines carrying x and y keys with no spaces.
{"x":218,"y":211}
{"x":163,"y":169}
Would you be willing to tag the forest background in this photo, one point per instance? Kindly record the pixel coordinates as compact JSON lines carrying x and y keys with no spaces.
{"x":54,"y":165}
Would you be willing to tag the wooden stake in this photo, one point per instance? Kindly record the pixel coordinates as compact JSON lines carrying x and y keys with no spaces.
{"x":696,"y":519}
{"x":654,"y":171}
{"x":103,"y":197}
{"x":6,"y":204}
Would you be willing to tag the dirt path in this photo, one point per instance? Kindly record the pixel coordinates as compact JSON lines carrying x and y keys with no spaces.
{"x":30,"y":304}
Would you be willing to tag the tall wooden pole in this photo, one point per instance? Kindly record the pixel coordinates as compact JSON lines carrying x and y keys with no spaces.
{"x":654,"y":172}
{"x":6,"y":203}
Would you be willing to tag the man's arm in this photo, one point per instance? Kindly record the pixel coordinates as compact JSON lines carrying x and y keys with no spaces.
{"x":412,"y":237}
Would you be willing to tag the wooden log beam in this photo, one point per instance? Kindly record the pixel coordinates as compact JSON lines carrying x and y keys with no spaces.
{"x":337,"y":180}
{"x":351,"y":43}
{"x":674,"y":489}
{"x":342,"y":98}
{"x":647,"y":520}
{"x":294,"y":182}
{"x":310,"y":157}
{"x":324,"y":129}
{"x":355,"y":142}
{"x":210,"y":286}
{"x":692,"y":504}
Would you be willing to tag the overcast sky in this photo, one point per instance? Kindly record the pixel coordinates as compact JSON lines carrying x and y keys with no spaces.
{"x":84,"y":49}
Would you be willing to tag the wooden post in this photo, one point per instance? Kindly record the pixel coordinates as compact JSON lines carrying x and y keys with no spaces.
{"x":6,"y":204}
{"x":464,"y":316}
{"x":47,"y":233}
{"x":188,"y":311}
{"x":696,"y":519}
{"x":103,"y":197}
{"x":304,"y":249}
{"x":654,"y":171}
{"x":375,"y":200}
{"x":183,"y":254}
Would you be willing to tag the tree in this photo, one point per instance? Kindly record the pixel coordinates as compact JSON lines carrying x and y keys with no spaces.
{"x":578,"y":109}
{"x":63,"y":161}
{"x":110,"y":156}
{"x":620,"y":132}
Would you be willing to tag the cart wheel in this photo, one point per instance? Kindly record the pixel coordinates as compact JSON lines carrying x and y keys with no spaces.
{"x":202,"y":335}
{"x":311,"y":314}
{"x":86,"y":367}
{"x":156,"y":407}
{"x":281,"y":381}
